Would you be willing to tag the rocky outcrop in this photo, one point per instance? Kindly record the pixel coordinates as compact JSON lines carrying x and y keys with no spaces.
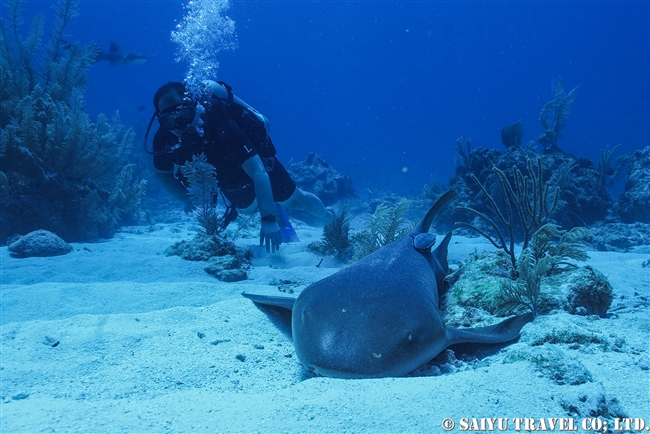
{"x":316,"y":176}
{"x":581,"y":201}
{"x":39,"y":243}
{"x":634,"y":204}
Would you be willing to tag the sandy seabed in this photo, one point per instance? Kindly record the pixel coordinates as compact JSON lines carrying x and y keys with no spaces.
{"x":118,"y":337}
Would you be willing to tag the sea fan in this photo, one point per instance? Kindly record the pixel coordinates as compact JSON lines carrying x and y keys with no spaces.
{"x":554,"y":115}
{"x":202,"y":178}
{"x":525,"y":291}
{"x":336,"y":237}
{"x":387,"y":224}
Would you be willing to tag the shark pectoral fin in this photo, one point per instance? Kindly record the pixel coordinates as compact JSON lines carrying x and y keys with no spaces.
{"x":504,"y":331}
{"x":271,"y":300}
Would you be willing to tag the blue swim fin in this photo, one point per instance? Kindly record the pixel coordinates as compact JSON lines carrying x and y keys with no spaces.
{"x":289,"y":234}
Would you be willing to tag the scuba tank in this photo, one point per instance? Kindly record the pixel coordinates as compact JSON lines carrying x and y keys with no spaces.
{"x":223,"y":92}
{"x":256,"y":126}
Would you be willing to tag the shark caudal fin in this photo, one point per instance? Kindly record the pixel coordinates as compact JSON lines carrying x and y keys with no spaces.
{"x":504,"y":331}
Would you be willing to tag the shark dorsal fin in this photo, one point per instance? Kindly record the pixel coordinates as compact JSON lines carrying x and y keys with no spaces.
{"x":425,"y":223}
{"x":114,"y":47}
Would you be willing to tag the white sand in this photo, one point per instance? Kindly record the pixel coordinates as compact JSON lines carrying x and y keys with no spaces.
{"x":150,"y":343}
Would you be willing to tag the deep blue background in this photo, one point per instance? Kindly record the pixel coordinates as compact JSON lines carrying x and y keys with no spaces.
{"x":383,"y":89}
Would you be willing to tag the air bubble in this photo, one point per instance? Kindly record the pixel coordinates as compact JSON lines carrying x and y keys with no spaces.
{"x":205,"y":31}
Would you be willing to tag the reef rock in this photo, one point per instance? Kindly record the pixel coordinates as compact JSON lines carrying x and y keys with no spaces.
{"x":317,"y":176}
{"x":225,"y":261}
{"x":590,"y":293}
{"x":634,"y":204}
{"x":39,"y":243}
{"x":619,"y":237}
{"x":476,"y":288}
{"x":230,"y":268}
{"x":202,"y":247}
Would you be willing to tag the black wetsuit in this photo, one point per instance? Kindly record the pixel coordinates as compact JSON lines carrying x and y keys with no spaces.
{"x":227,"y":146}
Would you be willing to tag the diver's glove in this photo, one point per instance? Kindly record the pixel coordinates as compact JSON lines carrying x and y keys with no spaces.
{"x":271,"y":236}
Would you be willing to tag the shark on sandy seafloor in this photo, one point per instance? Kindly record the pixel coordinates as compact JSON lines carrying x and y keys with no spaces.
{"x":381,"y":316}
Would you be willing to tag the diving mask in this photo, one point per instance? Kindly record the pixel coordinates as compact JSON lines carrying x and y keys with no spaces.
{"x":177,"y":117}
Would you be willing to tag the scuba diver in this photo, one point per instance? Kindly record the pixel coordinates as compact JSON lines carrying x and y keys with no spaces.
{"x":234,"y":137}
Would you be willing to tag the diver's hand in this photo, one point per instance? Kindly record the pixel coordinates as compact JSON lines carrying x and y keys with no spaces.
{"x":271,"y":236}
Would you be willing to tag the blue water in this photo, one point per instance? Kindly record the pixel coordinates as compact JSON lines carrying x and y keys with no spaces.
{"x":383,"y":89}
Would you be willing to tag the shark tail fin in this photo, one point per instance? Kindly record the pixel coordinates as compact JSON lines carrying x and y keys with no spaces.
{"x":505,"y":331}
